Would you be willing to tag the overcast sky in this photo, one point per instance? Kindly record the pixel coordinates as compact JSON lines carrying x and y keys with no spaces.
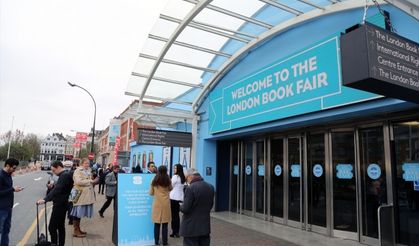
{"x":45,"y":43}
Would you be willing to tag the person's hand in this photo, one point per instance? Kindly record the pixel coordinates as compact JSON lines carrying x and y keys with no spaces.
{"x":42,"y":201}
{"x":50,"y":186}
{"x":17,"y":189}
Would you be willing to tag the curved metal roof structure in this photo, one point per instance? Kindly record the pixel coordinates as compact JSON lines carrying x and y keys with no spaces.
{"x":188,"y":50}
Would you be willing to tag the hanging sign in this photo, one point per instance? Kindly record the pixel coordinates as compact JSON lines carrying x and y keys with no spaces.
{"x":410,"y":171}
{"x":317,"y":170}
{"x":164,"y":138}
{"x":295,"y":171}
{"x":382,"y":62}
{"x":344,"y":171}
{"x":278,"y":170}
{"x":374,"y":171}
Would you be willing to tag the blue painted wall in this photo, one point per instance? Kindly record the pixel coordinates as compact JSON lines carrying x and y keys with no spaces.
{"x":285,"y":44}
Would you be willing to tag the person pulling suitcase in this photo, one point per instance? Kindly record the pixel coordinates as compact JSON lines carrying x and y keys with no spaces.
{"x":42,"y":239}
{"x":59,"y":197}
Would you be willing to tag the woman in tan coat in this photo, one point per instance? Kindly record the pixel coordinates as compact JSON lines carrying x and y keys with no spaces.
{"x":83,"y":205}
{"x":161,"y":215}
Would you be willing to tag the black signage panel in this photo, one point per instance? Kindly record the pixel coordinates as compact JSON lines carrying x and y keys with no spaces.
{"x":378,"y":61}
{"x":164,"y":138}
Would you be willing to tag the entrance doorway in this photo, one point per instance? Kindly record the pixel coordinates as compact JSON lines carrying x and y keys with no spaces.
{"x":331,"y":182}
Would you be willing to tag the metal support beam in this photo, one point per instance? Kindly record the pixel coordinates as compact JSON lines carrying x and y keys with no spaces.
{"x":168,"y":61}
{"x":191,"y":46}
{"x":211,"y":26}
{"x":172,"y":81}
{"x":178,"y":114}
{"x":170,"y":100}
{"x":206,"y":29}
{"x":282,"y":27}
{"x":411,"y":7}
{"x":188,"y":18}
{"x":234,"y":14}
{"x":311,"y":4}
{"x":282,"y":6}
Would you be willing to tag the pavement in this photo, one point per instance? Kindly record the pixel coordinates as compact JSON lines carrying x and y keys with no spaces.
{"x":223,"y":233}
{"x":228,"y":229}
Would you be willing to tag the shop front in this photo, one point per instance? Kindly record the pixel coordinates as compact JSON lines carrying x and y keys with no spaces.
{"x":329,"y":180}
{"x":290,"y":144}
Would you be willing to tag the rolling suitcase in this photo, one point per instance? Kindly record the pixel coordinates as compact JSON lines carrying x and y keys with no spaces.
{"x":42,"y":239}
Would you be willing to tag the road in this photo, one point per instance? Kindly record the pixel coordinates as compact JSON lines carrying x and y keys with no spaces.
{"x":24,"y":211}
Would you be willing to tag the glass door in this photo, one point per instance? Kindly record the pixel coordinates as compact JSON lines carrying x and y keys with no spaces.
{"x":234,"y":177}
{"x":294,"y":181}
{"x":406,"y":153}
{"x":373,"y":180}
{"x":259,"y":175}
{"x":345,"y":222}
{"x":247,"y":174}
{"x":277,"y":179}
{"x":316,"y":178}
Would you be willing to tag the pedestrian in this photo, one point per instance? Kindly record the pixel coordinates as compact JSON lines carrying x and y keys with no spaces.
{"x":7,"y":199}
{"x":176,"y":197}
{"x":102,"y":176}
{"x":84,"y":196}
{"x":151,"y":167}
{"x":160,"y":188}
{"x":197,"y":204}
{"x":70,"y":203}
{"x":111,"y":181}
{"x":137,"y":169}
{"x":59,"y":197}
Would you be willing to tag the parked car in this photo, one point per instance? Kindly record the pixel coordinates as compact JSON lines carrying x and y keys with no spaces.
{"x":46,"y":165}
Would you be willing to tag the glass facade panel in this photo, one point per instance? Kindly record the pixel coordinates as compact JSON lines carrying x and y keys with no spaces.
{"x":316,"y":175}
{"x":344,"y":182}
{"x":260,"y":177}
{"x":406,"y":148}
{"x":277,"y":177}
{"x":373,"y":178}
{"x":294,"y":178}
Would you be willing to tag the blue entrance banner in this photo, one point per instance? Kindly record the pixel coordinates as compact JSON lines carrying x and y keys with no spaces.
{"x":305,"y":82}
{"x":134,"y":210}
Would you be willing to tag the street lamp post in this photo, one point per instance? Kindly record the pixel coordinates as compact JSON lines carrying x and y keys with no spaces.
{"x":94,"y":117}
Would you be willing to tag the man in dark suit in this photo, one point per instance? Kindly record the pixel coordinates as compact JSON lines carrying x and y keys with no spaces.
{"x":59,"y":197}
{"x":196,"y":208}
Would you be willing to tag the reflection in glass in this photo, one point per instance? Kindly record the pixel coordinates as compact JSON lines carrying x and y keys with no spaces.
{"x":277,"y":180}
{"x":344,"y":188}
{"x":316,"y":180}
{"x":260,"y":177}
{"x":374,"y":189}
{"x":294,"y":179}
{"x":406,"y":147}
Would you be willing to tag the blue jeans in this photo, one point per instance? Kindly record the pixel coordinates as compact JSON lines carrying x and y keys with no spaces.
{"x":5,"y":224}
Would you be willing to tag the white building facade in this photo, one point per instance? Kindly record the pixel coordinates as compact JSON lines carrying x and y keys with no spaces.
{"x":53,"y":147}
